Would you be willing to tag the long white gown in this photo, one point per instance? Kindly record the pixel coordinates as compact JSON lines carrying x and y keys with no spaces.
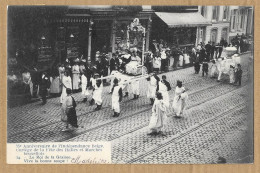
{"x":152,"y":87}
{"x":179,"y":101}
{"x":158,"y":118}
{"x":97,"y":94}
{"x":66,"y":80}
{"x":164,"y":90}
{"x":75,"y":77}
{"x":115,"y":99}
{"x":84,"y":83}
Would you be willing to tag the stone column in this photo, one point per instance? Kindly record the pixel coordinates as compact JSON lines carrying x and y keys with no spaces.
{"x":149,"y":24}
{"x":89,"y":40}
{"x":113,"y":35}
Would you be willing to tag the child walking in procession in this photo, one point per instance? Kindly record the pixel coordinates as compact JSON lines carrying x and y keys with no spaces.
{"x":163,"y":87}
{"x":84,"y":83}
{"x":213,"y":69}
{"x":152,"y":86}
{"x":116,"y":98}
{"x":71,"y":117}
{"x":205,"y":68}
{"x":97,"y":94}
{"x":238,"y":74}
{"x":232,"y":74}
{"x":180,"y":100}
{"x":158,"y":118}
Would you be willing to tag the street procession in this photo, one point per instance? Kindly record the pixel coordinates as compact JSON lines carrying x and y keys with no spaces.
{"x":109,"y":64}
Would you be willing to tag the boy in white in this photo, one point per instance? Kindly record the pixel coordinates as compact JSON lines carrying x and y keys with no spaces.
{"x":135,"y":88}
{"x":97,"y":94}
{"x":164,"y":87}
{"x":116,"y":98}
{"x":152,"y":86}
{"x":84,"y":83}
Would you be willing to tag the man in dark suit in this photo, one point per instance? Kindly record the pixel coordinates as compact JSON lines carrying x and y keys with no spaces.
{"x":208,"y":48}
{"x":44,"y":86}
{"x":114,"y":62}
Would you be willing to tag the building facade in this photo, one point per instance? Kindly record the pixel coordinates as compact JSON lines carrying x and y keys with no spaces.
{"x":227,"y":22}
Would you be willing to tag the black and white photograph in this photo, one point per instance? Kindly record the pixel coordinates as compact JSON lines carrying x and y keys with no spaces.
{"x":161,"y":84}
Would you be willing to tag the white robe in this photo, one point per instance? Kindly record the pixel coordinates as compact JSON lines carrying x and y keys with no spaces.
{"x":115,"y":99}
{"x":164,"y":90}
{"x":97,"y":94}
{"x":75,"y":77}
{"x":152,"y":87}
{"x":84,"y":83}
{"x":180,"y":60}
{"x":179,"y":101}
{"x":66,"y":80}
{"x":135,"y":85}
{"x":213,"y":70}
{"x":158,"y":118}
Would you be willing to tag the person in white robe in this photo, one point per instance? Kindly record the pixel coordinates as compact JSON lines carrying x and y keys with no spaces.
{"x":164,"y":87}
{"x":180,"y":100}
{"x":152,"y":86}
{"x":221,"y":68}
{"x":213,"y":69}
{"x":84,"y":83}
{"x":158,"y":118}
{"x":116,"y":97}
{"x":66,"y":84}
{"x":28,"y":80}
{"x":97,"y":93}
{"x":232,"y":74}
{"x":75,"y":76}
{"x":181,"y":58}
{"x":135,"y":86}
{"x":91,"y":87}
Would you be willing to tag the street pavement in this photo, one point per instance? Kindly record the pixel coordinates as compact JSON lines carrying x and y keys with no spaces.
{"x":218,"y":121}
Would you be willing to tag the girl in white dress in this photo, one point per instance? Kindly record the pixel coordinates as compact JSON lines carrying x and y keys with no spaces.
{"x":180,"y":100}
{"x":75,"y":76}
{"x":158,"y":118}
{"x":66,"y":83}
{"x":213,"y":69}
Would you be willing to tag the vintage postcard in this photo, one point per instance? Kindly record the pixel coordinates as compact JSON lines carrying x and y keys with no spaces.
{"x":147,"y":84}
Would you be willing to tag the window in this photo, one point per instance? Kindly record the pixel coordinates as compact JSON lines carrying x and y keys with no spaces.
{"x":213,"y":35}
{"x":241,"y":19}
{"x":225,"y":13}
{"x":224,"y":33}
{"x":233,"y":19}
{"x":215,"y":13}
{"x":203,"y":11}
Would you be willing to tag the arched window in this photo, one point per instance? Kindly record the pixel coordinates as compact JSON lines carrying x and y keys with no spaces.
{"x":213,"y":35}
{"x":224,"y":33}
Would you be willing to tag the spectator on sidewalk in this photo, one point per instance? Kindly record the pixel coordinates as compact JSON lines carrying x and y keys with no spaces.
{"x":232,"y":74}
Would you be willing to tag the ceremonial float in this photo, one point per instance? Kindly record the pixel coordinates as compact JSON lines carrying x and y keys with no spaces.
{"x":134,"y":42}
{"x":228,"y":58}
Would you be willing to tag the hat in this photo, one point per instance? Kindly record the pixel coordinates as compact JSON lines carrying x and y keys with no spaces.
{"x":96,"y":74}
{"x":97,"y":52}
{"x":83,"y":60}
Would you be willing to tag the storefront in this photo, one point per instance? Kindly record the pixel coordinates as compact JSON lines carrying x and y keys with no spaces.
{"x":182,"y":29}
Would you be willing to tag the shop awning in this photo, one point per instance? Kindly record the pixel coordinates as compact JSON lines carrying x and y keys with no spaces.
{"x":183,"y":19}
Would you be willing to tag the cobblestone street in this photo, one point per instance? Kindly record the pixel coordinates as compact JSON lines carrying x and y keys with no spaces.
{"x":218,"y":122}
